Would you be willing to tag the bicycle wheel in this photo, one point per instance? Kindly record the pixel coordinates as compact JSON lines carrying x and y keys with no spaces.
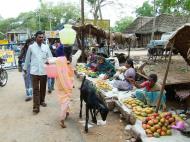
{"x":3,"y":77}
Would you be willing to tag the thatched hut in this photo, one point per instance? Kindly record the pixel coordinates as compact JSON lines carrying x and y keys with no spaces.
{"x":163,"y":23}
{"x":137,"y":23}
{"x":181,"y":41}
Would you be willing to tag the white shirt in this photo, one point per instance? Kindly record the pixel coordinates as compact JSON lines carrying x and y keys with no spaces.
{"x":37,"y":56}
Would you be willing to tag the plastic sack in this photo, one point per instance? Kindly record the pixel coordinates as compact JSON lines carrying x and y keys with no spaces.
{"x":51,"y":70}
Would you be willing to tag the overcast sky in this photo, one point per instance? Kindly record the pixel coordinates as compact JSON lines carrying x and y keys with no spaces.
{"x":12,"y":8}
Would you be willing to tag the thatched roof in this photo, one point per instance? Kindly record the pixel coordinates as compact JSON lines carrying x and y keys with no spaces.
{"x":181,"y":41}
{"x":137,"y":23}
{"x":164,"y":23}
{"x":92,"y":30}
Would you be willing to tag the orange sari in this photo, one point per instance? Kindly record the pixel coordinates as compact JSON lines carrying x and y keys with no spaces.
{"x":64,"y":83}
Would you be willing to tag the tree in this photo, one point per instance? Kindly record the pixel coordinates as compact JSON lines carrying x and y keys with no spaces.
{"x":45,"y":16}
{"x":145,"y":10}
{"x":7,"y":25}
{"x":177,"y":7}
{"x":122,"y":24}
{"x":1,"y":18}
{"x":169,"y":6}
{"x":96,"y":6}
{"x":27,"y":20}
{"x":187,"y":6}
{"x":54,"y":15}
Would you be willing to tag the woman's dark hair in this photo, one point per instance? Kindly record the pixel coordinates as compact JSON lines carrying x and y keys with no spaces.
{"x":130,"y":62}
{"x":38,"y":33}
{"x":101,"y":44}
{"x":93,"y":50}
{"x":25,"y":48}
{"x":101,"y":58}
{"x":153,"y":77}
{"x":28,"y":42}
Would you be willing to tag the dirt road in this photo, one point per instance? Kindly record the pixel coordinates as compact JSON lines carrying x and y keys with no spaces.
{"x":18,"y":124}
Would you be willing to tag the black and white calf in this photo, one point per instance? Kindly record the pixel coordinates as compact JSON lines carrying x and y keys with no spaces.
{"x":93,"y":103}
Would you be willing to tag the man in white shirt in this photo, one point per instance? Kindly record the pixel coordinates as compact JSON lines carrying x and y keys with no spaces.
{"x":37,"y":56}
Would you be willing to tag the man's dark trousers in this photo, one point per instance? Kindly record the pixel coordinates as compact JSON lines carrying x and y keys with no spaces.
{"x":39,"y":90}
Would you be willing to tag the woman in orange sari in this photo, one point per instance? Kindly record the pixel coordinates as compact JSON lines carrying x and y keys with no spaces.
{"x":64,"y":83}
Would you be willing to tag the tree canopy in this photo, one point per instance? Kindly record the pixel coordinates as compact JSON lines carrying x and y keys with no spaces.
{"x":122,"y":24}
{"x":145,"y":10}
{"x":177,"y":7}
{"x":96,"y":6}
{"x":48,"y":16}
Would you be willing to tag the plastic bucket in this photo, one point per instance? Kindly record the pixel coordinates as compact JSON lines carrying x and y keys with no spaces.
{"x":51,"y":70}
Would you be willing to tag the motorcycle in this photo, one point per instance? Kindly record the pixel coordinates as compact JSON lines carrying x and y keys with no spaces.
{"x":3,"y":74}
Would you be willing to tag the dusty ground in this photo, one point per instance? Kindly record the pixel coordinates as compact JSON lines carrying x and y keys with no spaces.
{"x":18,"y":124}
{"x":179,"y":71}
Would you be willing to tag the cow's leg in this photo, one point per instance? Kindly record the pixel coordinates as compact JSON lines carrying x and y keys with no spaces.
{"x":80,"y":114}
{"x":87,"y":118}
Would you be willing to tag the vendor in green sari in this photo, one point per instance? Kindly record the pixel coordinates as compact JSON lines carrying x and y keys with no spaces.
{"x":105,"y":67}
{"x":150,"y":92}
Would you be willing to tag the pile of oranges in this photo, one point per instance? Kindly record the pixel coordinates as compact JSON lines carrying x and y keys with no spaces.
{"x":157,"y":125}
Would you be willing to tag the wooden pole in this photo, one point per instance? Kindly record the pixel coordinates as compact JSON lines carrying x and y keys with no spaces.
{"x":82,"y":34}
{"x":109,"y":41}
{"x":129,"y":50}
{"x":154,"y":20}
{"x":164,"y":80}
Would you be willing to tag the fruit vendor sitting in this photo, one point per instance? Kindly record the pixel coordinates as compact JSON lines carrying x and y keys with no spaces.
{"x":105,"y":67}
{"x":130,"y":73}
{"x":151,"y":92}
{"x":92,"y":60}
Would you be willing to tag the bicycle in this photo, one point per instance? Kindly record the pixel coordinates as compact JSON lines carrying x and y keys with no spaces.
{"x":3,"y":74}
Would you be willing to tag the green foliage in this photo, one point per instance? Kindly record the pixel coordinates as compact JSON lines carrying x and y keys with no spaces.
{"x":177,"y":7}
{"x":30,"y":20}
{"x":92,"y":1}
{"x":145,"y":10}
{"x":169,"y":6}
{"x":7,"y":25}
{"x":187,"y":5}
{"x":122,"y":24}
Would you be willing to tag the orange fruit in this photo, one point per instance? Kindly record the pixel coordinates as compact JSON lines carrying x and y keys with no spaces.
{"x":158,"y":131}
{"x":152,"y":129}
{"x":150,"y":122}
{"x":155,"y":121}
{"x":144,"y":126}
{"x":163,"y":133}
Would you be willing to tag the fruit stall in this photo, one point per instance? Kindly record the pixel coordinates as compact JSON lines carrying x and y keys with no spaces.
{"x":147,"y":124}
{"x":150,"y":125}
